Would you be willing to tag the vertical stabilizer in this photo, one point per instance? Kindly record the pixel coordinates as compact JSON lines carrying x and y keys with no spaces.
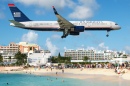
{"x":18,"y":15}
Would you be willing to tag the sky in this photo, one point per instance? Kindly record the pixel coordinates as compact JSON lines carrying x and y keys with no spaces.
{"x":77,"y":10}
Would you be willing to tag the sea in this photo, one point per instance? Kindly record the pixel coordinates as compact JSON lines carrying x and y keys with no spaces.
{"x":35,"y":80}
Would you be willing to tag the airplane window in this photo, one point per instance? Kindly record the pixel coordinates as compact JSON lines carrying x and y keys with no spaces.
{"x":116,"y":24}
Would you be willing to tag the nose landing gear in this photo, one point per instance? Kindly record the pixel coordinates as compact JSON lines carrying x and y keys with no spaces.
{"x":107,"y":33}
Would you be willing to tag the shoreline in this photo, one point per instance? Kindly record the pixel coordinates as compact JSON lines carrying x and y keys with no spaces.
{"x":73,"y":73}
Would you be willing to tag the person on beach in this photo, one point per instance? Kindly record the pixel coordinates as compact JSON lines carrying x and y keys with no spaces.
{"x":81,"y":69}
{"x":62,"y":70}
{"x":56,"y":73}
{"x":118,"y":71}
{"x":122,"y":71}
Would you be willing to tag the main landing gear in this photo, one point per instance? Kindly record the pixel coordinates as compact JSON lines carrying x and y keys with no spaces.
{"x":107,"y":33}
{"x":65,"y":33}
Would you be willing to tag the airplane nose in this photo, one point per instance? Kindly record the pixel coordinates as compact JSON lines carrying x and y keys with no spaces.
{"x":117,"y":27}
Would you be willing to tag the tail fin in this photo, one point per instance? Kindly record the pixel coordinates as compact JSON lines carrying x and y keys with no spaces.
{"x":18,"y":15}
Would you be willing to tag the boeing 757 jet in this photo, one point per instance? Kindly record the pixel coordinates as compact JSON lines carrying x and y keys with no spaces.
{"x":62,"y":25}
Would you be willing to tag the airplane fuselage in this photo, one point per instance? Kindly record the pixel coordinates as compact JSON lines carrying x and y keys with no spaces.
{"x":54,"y":26}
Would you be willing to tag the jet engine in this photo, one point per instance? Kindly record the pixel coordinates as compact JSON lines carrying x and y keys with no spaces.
{"x":74,"y":33}
{"x":78,"y":29}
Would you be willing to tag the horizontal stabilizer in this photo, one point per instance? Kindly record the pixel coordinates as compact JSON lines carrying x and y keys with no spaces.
{"x":16,"y":23}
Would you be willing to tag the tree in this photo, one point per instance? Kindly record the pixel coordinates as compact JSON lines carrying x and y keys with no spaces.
{"x":9,"y":58}
{"x":54,"y":59}
{"x":59,"y":55}
{"x":1,"y":58}
{"x":86,"y":58}
{"x":60,"y":59}
{"x":21,"y":58}
{"x":124,"y":56}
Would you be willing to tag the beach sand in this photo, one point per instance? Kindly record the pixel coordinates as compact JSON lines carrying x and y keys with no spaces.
{"x":77,"y":73}
{"x":72,"y":73}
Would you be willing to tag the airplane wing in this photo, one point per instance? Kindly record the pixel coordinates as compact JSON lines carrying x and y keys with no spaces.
{"x":64,"y":24}
{"x":62,"y":21}
{"x":16,"y":23}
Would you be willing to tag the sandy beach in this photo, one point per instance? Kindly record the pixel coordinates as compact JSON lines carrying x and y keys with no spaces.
{"x":77,"y":73}
{"x":68,"y":73}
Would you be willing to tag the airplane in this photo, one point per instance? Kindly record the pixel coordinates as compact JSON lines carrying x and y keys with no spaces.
{"x":62,"y":25}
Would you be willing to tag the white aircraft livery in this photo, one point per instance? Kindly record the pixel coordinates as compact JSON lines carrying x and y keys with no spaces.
{"x":63,"y":25}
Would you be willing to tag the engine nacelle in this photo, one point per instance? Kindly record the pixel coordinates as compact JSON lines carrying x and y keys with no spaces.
{"x":78,"y":29}
{"x":74,"y":33}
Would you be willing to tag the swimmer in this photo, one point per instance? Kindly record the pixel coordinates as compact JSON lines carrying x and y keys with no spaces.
{"x":47,"y":78}
{"x":62,"y":80}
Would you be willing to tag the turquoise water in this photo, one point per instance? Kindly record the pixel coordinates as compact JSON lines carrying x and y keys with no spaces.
{"x":33,"y":80}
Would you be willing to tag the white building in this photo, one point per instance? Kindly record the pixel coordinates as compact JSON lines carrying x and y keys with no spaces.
{"x":94,"y":55}
{"x":38,"y":58}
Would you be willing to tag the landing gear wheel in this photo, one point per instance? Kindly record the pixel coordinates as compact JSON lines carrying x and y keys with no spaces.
{"x":63,"y":36}
{"x":107,"y":33}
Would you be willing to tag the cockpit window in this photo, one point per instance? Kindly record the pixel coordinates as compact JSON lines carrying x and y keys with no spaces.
{"x":116,"y":24}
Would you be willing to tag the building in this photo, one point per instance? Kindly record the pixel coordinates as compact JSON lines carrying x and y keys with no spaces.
{"x":93,"y":55}
{"x":13,"y":48}
{"x":38,"y":58}
{"x":25,"y":47}
{"x":9,"y":51}
{"x":35,"y":56}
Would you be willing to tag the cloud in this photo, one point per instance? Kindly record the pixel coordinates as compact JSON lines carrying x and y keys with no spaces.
{"x":51,"y":46}
{"x":56,"y":36}
{"x":65,"y":48}
{"x":81,"y":9}
{"x":43,"y":3}
{"x":101,"y":46}
{"x":2,"y":15}
{"x":84,"y":9}
{"x":127,"y":49}
{"x":31,"y":36}
{"x":90,"y":48}
{"x":81,"y":12}
{"x":39,"y":12}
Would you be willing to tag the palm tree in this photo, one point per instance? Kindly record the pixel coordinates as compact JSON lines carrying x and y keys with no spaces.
{"x":21,"y":58}
{"x":85,"y":59}
{"x":1,"y":58}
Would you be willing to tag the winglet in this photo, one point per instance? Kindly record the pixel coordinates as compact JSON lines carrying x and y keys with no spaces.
{"x":53,"y":7}
{"x":11,"y":5}
{"x":55,"y":10}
